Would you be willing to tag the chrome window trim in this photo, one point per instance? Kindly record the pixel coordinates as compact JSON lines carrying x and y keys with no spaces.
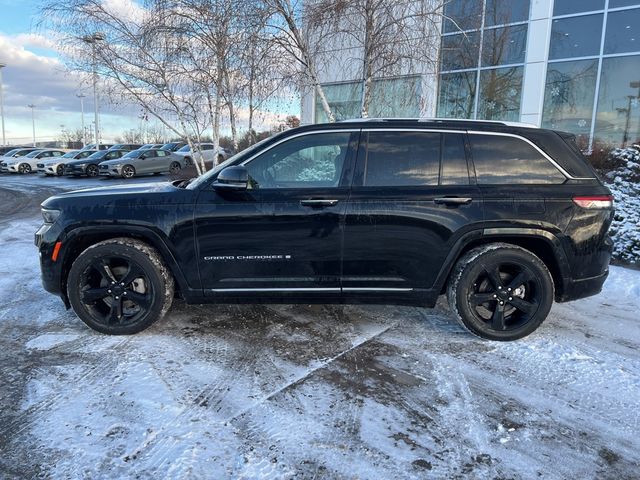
{"x":411,"y":129}
{"x":526,"y":140}
{"x":310,"y":289}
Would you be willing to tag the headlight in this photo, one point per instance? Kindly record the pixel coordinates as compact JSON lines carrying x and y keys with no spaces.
{"x":50,"y":216}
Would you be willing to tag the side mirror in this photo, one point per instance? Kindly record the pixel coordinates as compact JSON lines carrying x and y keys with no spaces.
{"x":232,"y":178}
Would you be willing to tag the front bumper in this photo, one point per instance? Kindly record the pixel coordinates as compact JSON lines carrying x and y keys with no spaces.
{"x":110,"y":171}
{"x":582,"y":288}
{"x":75,"y":170}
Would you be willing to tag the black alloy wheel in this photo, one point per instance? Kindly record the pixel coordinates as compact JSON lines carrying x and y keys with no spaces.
{"x":92,"y":170}
{"x":501,"y":292}
{"x":120,"y":286}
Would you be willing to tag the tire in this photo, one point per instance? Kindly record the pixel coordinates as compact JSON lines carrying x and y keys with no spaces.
{"x":98,"y":296}
{"x":188,"y":161}
{"x":60,"y":170}
{"x":128,"y":171}
{"x":24,"y":168}
{"x":175,"y":168}
{"x":219,"y":159}
{"x":500,"y":292}
{"x":92,"y":170}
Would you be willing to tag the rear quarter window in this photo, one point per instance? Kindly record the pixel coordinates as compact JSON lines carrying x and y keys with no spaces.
{"x":506,"y":160}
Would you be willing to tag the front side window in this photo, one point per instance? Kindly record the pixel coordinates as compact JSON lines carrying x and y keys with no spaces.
{"x":308,"y":161}
{"x":505,"y":160}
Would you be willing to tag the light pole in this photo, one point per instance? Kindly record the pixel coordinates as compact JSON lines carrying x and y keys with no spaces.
{"x":4,"y":138}
{"x":92,"y":40}
{"x":81,"y":96}
{"x":33,"y":122}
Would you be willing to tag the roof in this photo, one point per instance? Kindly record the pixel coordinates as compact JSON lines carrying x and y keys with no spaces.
{"x":439,"y":121}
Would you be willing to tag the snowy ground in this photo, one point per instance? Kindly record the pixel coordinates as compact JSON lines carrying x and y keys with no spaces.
{"x":308,"y":391}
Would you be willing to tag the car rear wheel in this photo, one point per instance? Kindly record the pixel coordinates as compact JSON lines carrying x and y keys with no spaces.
{"x":128,"y":171}
{"x":120,"y":286}
{"x":92,"y":170}
{"x":500,"y":292}
{"x":24,"y":168}
{"x":175,"y":167}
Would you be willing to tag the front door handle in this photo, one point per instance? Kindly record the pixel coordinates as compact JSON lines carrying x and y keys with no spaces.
{"x":453,"y":200}
{"x":318,"y":203}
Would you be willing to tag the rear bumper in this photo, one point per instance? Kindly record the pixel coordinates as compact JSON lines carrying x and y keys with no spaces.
{"x":584,"y":287}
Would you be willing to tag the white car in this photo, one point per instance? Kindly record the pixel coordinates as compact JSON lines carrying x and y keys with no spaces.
{"x":13,"y":154}
{"x":55,"y":165}
{"x":29,"y":163}
{"x":209,"y":154}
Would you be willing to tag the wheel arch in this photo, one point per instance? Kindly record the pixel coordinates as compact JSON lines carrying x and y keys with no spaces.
{"x":81,"y":238}
{"x":545,"y":245}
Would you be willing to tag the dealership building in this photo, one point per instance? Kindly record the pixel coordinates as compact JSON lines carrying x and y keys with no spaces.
{"x":572,"y":65}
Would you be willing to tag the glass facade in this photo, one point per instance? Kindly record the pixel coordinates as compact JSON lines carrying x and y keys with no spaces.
{"x":390,"y":97}
{"x":593,"y":76}
{"x":482,"y":57}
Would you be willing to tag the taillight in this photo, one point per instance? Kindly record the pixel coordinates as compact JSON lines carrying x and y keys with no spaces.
{"x":594,"y":201}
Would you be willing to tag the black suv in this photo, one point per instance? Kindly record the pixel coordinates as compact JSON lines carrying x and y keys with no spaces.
{"x":502,"y":218}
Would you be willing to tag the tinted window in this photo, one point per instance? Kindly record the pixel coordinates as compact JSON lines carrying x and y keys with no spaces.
{"x":402,"y":159}
{"x":454,"y":169}
{"x":112,"y":155}
{"x":503,"y":46}
{"x":508,"y":160}
{"x":623,"y":32}
{"x":563,"y":7}
{"x":500,"y":12}
{"x":206,"y":147}
{"x":462,"y":15}
{"x":307,"y":161}
{"x":460,"y":51}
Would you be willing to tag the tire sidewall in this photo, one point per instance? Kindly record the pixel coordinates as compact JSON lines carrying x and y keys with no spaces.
{"x":468,"y":271}
{"x":152,"y":273}
{"x":124,"y":175}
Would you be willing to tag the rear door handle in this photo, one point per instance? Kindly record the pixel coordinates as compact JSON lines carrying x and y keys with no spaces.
{"x":453,"y":200}
{"x":318,"y":203}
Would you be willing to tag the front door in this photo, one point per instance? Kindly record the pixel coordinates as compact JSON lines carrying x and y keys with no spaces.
{"x":411,"y":200}
{"x":282,"y":236}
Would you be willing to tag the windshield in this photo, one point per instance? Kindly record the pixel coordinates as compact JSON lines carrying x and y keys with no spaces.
{"x":70,"y":154}
{"x":211,"y":173}
{"x":34,"y":153}
{"x":96,"y":155}
{"x":11,"y":153}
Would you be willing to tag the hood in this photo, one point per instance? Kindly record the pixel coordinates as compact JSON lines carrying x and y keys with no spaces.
{"x":81,"y":161}
{"x":115,"y":161}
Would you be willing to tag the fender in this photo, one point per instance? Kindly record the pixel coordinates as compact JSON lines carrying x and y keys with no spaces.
{"x":503,"y":234}
{"x":111,"y":231}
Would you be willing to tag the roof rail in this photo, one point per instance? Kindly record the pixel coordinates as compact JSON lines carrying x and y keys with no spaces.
{"x":437,"y":119}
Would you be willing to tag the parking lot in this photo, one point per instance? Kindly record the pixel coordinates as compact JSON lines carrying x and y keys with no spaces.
{"x":307,"y":391}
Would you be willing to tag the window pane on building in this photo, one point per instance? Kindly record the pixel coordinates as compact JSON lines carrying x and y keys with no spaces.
{"x":454,"y":170}
{"x":462,"y":15}
{"x":395,"y":97}
{"x":575,"y":37}
{"x":564,"y":7}
{"x":456,"y":95}
{"x":504,"y":46}
{"x":500,"y":12}
{"x":500,"y":94}
{"x":623,"y":32}
{"x":568,"y":96}
{"x":460,"y":51}
{"x":344,"y":100}
{"x":402,"y":159}
{"x":508,"y":160}
{"x":622,"y":3}
{"x":618,"y":117}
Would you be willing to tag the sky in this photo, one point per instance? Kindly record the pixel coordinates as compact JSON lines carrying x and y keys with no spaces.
{"x":34,"y":74}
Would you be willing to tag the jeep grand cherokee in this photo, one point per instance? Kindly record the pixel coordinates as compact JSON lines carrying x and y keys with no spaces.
{"x":501,"y":218}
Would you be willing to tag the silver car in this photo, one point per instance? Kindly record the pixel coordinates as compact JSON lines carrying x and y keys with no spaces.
{"x":141,"y":162}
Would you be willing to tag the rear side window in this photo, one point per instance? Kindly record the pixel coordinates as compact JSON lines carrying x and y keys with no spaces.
{"x":508,"y":160}
{"x":396,"y":159}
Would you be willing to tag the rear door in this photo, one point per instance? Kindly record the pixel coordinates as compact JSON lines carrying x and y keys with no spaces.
{"x":411,"y":201}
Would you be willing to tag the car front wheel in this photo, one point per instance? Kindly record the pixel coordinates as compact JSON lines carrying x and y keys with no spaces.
{"x":500,"y":292}
{"x":92,"y":170}
{"x":128,"y":171}
{"x":175,"y":168}
{"x":120,"y":286}
{"x":24,"y":168}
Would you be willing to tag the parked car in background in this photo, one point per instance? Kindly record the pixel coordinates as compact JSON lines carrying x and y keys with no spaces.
{"x":29,"y":162}
{"x":8,"y":148}
{"x":89,"y":166}
{"x":103,"y":146}
{"x":11,"y":155}
{"x":148,"y":146}
{"x":173,"y":146}
{"x":210,"y":155}
{"x":142,"y":162}
{"x":56,"y":165}
{"x":126,"y":146}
